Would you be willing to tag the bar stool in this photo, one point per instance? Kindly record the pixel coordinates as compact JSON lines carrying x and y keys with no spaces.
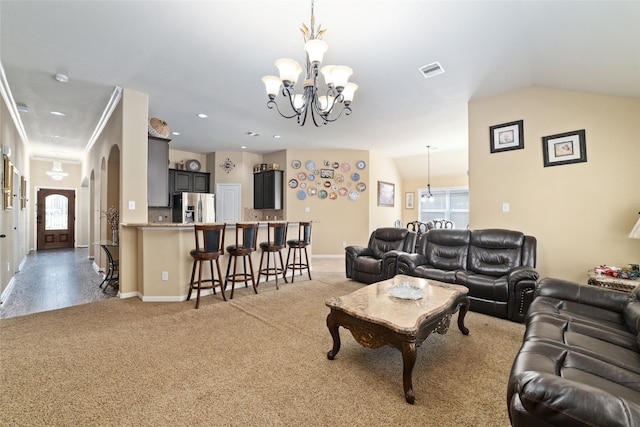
{"x":276,"y":241}
{"x":298,"y":245}
{"x":209,"y":247}
{"x":246,"y":237}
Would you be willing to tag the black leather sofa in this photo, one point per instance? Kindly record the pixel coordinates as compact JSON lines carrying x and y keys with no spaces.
{"x":377,"y":261}
{"x":579,"y":364}
{"x":498,"y":267}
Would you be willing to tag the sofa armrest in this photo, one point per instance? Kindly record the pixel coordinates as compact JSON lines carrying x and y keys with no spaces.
{"x":607,"y":299}
{"x":560,"y":401}
{"x":407,"y":262}
{"x":390,"y":263}
{"x":522,"y":286}
{"x":357,"y":251}
{"x":522,"y":273}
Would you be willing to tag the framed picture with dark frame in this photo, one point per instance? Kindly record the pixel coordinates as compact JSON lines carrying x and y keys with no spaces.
{"x":386,"y":193}
{"x":564,"y":148}
{"x":507,"y":136}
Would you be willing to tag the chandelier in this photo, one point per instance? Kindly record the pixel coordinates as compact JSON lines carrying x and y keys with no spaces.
{"x":324,"y":108}
{"x":56,"y":173}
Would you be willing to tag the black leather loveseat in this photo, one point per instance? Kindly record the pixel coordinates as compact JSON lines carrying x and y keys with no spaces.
{"x":498,"y":267}
{"x":377,"y":261}
{"x":579,"y":364}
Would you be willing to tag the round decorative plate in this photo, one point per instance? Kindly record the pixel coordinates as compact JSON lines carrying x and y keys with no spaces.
{"x":343,"y":191}
{"x":335,"y":165}
{"x":322,"y":194}
{"x":361,"y":164}
{"x":293,"y":183}
{"x":333,"y":195}
{"x":310,"y":165}
{"x":303,"y":185}
{"x":361,"y":186}
{"x":316,"y":172}
{"x":302,"y":194}
{"x":193,"y":165}
{"x":334,"y":187}
{"x":355,"y":176}
{"x":346,"y":167}
{"x":327,"y":184}
{"x":311,"y":177}
{"x":296,"y":164}
{"x":312,"y":191}
{"x":339,"y":178}
{"x":302,"y":176}
{"x":353,"y":195}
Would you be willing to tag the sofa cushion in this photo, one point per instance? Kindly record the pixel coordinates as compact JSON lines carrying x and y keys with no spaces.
{"x":562,"y":387}
{"x":427,"y":272}
{"x":579,"y":312}
{"x":616,"y":347}
{"x":387,"y":239}
{"x":447,"y":249}
{"x":495,"y":252}
{"x":484,"y":287}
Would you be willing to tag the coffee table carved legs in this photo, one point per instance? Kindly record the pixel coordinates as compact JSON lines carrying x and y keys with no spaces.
{"x":408,"y":362}
{"x":372,"y":336}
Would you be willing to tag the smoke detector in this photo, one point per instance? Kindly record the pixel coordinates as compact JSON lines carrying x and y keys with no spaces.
{"x":431,"y":70}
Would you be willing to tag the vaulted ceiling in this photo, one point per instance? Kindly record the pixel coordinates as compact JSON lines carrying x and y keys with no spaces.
{"x":209,"y":56}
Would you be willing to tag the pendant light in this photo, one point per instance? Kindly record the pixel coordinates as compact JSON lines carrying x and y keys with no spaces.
{"x":428,"y":195}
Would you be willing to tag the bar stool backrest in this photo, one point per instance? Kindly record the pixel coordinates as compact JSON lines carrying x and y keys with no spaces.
{"x":210,"y":238}
{"x":248,"y":240}
{"x":304,"y":233}
{"x":279,"y":236}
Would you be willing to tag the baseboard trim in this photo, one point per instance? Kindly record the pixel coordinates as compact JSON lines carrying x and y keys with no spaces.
{"x":328,"y":256}
{"x":7,"y":290}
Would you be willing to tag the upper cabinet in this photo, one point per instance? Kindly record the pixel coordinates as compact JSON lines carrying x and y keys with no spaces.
{"x":182,"y":181}
{"x":158,"y":172}
{"x":267,"y":189}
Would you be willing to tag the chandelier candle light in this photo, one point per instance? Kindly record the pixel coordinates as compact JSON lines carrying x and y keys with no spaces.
{"x":323,"y":108}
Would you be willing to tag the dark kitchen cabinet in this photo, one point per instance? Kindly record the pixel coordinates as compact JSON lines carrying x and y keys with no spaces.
{"x":181,"y":181}
{"x":267,"y":189}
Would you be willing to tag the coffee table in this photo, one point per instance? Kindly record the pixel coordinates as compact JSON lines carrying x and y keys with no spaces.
{"x":376,"y":318}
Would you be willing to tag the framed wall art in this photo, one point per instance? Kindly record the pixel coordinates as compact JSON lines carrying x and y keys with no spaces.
{"x":386,"y":193}
{"x":507,"y":136}
{"x":564,"y":148}
{"x":408,"y":200}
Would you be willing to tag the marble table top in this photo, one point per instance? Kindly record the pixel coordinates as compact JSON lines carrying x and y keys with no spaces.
{"x":375,"y":303}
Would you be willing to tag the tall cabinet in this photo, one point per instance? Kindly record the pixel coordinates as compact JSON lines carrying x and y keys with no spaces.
{"x":157,"y":172}
{"x":267,"y":189}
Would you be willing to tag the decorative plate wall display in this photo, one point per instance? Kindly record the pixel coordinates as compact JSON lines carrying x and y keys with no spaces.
{"x":310,"y":165}
{"x":361,"y":164}
{"x":293,"y":183}
{"x":296,"y":164}
{"x":302,"y":194}
{"x":355,"y":176}
{"x":194,"y":166}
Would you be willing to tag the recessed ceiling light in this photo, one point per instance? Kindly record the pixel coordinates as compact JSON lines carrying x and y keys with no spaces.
{"x":252,"y":133}
{"x":277,"y":136}
{"x":175,"y":133}
{"x":202,"y":115}
{"x":243,"y":147}
{"x":58,"y":113}
{"x":62,"y":78}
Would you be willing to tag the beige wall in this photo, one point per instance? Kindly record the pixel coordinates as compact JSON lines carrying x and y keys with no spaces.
{"x":580,"y":213}
{"x":13,"y":223}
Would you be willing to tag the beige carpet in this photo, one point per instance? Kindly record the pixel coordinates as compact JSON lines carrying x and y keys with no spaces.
{"x":258,"y":360}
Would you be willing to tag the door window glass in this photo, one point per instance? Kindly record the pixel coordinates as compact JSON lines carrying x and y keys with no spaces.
{"x":56,"y":212}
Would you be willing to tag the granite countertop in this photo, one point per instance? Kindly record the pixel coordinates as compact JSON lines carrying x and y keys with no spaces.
{"x":190,"y":225}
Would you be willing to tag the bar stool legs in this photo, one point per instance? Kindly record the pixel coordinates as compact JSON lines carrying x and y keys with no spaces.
{"x":276,"y":241}
{"x":246,"y":238}
{"x":299,"y":246}
{"x":209,"y":247}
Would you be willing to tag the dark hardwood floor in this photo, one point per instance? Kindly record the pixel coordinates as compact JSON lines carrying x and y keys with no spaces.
{"x":52,"y":279}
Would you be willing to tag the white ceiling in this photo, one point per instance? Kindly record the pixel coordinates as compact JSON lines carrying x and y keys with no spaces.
{"x":209,"y":56}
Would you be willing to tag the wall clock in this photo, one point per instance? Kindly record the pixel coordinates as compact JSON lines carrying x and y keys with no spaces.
{"x":227,"y":165}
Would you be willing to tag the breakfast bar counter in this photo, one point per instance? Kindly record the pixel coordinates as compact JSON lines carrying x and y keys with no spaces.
{"x":162,"y":267}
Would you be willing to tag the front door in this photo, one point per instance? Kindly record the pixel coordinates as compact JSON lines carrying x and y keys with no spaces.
{"x":56,"y":218}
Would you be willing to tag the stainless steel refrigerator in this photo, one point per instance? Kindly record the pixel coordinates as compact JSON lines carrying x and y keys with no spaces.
{"x":194,"y":207}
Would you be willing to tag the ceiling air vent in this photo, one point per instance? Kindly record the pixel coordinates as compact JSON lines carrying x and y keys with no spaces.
{"x":431,"y":70}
